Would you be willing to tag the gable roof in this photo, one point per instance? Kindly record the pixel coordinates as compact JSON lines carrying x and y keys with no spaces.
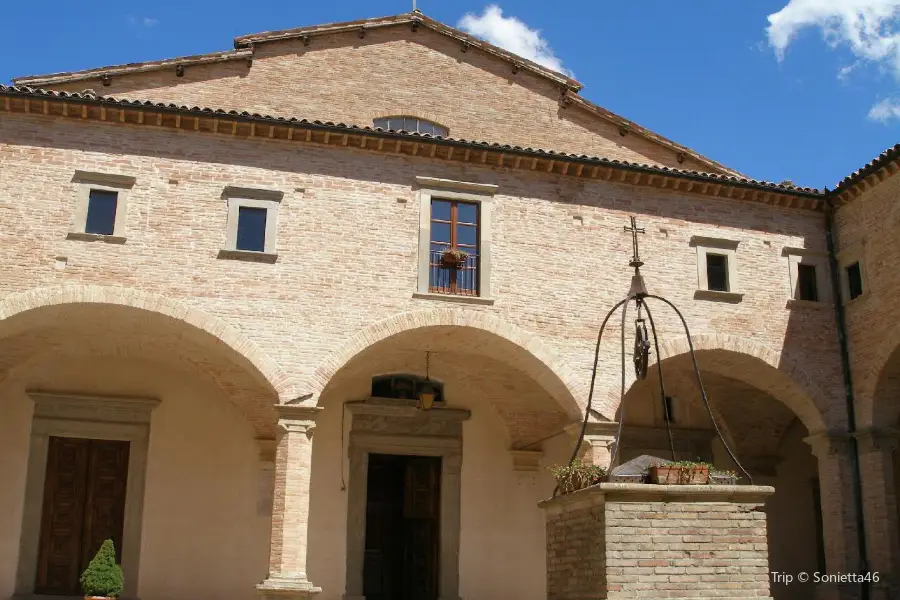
{"x":244,"y":45}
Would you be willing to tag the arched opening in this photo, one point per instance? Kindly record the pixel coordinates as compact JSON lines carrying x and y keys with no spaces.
{"x":755,"y":406}
{"x":881,"y":472}
{"x":501,"y":423}
{"x":111,"y":392}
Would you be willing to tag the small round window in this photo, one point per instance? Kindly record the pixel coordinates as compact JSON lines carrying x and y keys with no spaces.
{"x":411,"y":125}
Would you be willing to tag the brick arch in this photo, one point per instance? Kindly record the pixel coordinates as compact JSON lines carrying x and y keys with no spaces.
{"x":761,"y":367}
{"x":548,"y":369}
{"x":878,"y":403}
{"x":246,"y":348}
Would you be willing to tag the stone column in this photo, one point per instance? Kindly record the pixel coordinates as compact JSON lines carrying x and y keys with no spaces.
{"x":876,"y":449}
{"x":290,"y":512}
{"x":839,"y":525}
{"x":598,"y":441}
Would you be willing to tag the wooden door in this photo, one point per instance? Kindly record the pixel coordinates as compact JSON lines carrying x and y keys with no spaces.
{"x":84,"y":504}
{"x":421,"y":528}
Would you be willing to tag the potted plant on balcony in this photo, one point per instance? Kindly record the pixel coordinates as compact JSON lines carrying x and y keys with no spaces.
{"x":577,"y":475}
{"x":454,"y":258}
{"x":103,"y":578}
{"x":684,"y":472}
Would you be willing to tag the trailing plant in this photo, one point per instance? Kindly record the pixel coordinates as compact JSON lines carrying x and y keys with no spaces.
{"x":103,"y":577}
{"x":577,"y":475}
{"x":454,"y":256}
{"x":684,"y":472}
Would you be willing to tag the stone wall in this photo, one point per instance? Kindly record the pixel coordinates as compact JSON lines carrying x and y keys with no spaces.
{"x":646,"y":541}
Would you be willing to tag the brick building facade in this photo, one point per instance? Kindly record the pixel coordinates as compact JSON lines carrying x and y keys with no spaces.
{"x":235,"y":257}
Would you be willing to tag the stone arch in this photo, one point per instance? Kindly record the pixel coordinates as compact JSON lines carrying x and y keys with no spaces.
{"x":224,"y":333}
{"x":878,"y":403}
{"x":790,"y":385}
{"x":549,"y":370}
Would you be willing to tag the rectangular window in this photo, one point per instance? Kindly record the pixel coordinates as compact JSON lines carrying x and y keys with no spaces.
{"x":251,"y":229}
{"x":453,"y":256}
{"x":807,"y":288}
{"x":717,"y":272}
{"x":101,"y":212}
{"x":854,"y":280}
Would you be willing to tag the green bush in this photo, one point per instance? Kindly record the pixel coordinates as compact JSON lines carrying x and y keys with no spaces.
{"x":103,"y":577}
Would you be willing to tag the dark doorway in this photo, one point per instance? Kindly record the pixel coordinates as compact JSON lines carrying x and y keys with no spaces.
{"x":402,"y":528}
{"x":84,"y":505}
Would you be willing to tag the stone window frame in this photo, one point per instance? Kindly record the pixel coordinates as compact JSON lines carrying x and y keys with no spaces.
{"x":238,"y":197}
{"x":464,"y":191}
{"x":418,"y":440}
{"x":854,"y":253}
{"x":85,"y":182}
{"x":819,"y":260}
{"x":710,"y":245}
{"x":58,"y":414}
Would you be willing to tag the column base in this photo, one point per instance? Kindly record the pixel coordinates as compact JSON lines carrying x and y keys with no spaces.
{"x":287,"y":588}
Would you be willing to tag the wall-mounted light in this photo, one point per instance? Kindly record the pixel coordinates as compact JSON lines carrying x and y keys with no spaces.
{"x":179,"y":70}
{"x":427,"y":393}
{"x":106,"y":79}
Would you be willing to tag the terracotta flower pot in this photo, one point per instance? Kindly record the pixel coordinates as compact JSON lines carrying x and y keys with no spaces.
{"x":676,"y":475}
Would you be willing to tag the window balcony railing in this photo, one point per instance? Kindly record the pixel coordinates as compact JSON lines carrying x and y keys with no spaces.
{"x":459,"y":281}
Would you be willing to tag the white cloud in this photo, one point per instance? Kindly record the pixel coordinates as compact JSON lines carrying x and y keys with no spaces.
{"x":149,"y":22}
{"x":869,"y":28}
{"x":513,"y":35}
{"x":886,"y":110}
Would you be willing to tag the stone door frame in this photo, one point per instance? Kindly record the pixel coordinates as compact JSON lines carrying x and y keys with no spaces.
{"x":387,"y":426}
{"x":92,"y":417}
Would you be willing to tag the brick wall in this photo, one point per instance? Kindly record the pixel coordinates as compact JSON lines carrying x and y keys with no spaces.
{"x":639,"y":541}
{"x":393,"y":71}
{"x":321,"y":291}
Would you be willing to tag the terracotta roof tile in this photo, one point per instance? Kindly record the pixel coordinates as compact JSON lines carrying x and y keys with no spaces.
{"x":92,"y":97}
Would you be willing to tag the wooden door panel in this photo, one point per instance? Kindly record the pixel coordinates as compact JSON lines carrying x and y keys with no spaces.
{"x":104,"y":515}
{"x":62,"y":519}
{"x":84,"y":504}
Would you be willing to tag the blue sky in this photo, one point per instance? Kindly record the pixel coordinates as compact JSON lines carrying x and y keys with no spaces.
{"x":810,"y":99}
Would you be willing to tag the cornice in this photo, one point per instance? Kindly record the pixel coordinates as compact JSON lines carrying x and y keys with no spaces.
{"x":113,"y":111}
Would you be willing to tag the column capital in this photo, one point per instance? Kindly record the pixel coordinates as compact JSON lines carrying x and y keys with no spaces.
{"x":297,"y":418}
{"x":830,"y":443}
{"x":878,"y":439}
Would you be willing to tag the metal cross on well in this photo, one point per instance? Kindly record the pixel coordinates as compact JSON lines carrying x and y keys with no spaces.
{"x":634,"y":230}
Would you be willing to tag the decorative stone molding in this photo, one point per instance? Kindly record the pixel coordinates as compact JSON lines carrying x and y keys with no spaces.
{"x":830,"y":444}
{"x":466,"y":191}
{"x":66,"y":414}
{"x":238,"y":342}
{"x":381,"y":426}
{"x":878,"y":439}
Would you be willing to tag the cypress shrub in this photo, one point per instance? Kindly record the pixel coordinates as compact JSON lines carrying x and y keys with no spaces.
{"x":103,"y":577}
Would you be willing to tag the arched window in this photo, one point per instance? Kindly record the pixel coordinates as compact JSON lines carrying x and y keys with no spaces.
{"x":411,"y":125}
{"x":405,"y":387}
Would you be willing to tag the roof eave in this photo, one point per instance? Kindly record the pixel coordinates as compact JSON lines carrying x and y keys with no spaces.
{"x":132,"y":68}
{"x":158,"y":115}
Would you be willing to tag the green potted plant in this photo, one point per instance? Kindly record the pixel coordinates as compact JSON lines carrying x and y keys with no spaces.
{"x":684,"y":472}
{"x":103,"y":578}
{"x":577,"y":475}
{"x":454,"y":258}
{"x":723,"y":477}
